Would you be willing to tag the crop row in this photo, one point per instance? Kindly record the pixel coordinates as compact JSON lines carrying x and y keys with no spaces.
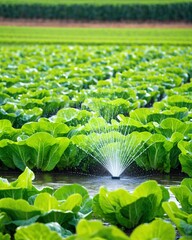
{"x":55,"y":99}
{"x":70,"y":213}
{"x":97,"y":36}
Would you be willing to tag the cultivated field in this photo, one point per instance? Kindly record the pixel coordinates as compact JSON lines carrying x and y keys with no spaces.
{"x":95,"y":35}
{"x":95,"y":100}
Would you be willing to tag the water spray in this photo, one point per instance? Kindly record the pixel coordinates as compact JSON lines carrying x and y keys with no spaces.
{"x":113,"y":149}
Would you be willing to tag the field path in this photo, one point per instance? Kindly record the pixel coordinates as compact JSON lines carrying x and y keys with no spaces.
{"x":63,"y":23}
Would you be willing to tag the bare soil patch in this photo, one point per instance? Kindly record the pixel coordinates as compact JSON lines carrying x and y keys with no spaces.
{"x":69,"y":24}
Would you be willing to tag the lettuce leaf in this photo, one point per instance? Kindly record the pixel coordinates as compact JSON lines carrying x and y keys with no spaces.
{"x":186,"y":156}
{"x":36,"y":231}
{"x":183,"y":194}
{"x":157,"y":229}
{"x":95,"y":230}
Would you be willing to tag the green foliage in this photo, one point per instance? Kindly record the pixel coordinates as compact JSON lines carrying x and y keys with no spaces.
{"x":46,"y":150}
{"x":21,"y":204}
{"x":185,"y":156}
{"x":73,"y":116}
{"x":36,"y":231}
{"x":19,"y":116}
{"x":51,"y":105}
{"x":95,"y":230}
{"x":109,"y":109}
{"x":57,"y":213}
{"x":40,"y":150}
{"x":185,"y":238}
{"x":183,"y":194}
{"x":21,"y":188}
{"x":162,"y":153}
{"x":60,"y":94}
{"x":147,"y":115}
{"x":5,"y":237}
{"x":173,"y":11}
{"x":157,"y":229}
{"x":129,"y":210}
{"x":81,"y":197}
{"x":172,"y":125}
{"x":180,"y":218}
{"x":181,"y":215}
{"x":96,"y":36}
{"x":55,"y":129}
{"x":50,"y":2}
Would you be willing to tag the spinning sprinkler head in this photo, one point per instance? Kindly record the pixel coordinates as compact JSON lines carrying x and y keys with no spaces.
{"x":115,"y":177}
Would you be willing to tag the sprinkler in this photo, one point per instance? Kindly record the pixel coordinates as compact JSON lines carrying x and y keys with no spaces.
{"x":114,"y":150}
{"x":115,"y":177}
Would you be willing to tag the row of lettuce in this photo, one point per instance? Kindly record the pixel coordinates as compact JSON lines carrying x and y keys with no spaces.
{"x":48,"y":145}
{"x":55,"y":98}
{"x":109,"y":80}
{"x":70,"y":213}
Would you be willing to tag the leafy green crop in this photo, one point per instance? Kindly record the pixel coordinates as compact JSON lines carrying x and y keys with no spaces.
{"x":59,"y":102}
{"x":183,"y":194}
{"x":181,"y":215}
{"x":40,"y":35}
{"x":129,"y":210}
{"x":22,"y":204}
{"x":157,"y":229}
{"x":185,"y":156}
{"x":51,"y":95}
{"x":96,"y":230}
{"x":21,"y":188}
{"x":36,"y":213}
{"x":180,"y":218}
{"x":40,"y":150}
{"x":36,"y":231}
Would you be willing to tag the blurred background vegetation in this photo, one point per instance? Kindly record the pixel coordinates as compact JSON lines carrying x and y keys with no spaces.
{"x":99,"y":10}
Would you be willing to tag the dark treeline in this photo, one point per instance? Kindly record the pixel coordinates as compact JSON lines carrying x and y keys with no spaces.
{"x":86,"y":12}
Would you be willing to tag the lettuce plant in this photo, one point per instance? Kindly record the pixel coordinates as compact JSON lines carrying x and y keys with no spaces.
{"x":95,"y":230}
{"x":180,"y":101}
{"x":126,"y":209}
{"x":183,"y":194}
{"x":109,"y":109}
{"x":156,"y":157}
{"x":180,"y":218}
{"x":11,"y":112}
{"x":7,"y":131}
{"x":22,"y":187}
{"x":172,"y":125}
{"x":66,"y":193}
{"x":55,"y":129}
{"x":19,"y":116}
{"x":41,"y":150}
{"x":22,"y":204}
{"x":146,"y":115}
{"x":36,"y":231}
{"x":72,"y":116}
{"x":185,"y":156}
{"x":157,"y":229}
